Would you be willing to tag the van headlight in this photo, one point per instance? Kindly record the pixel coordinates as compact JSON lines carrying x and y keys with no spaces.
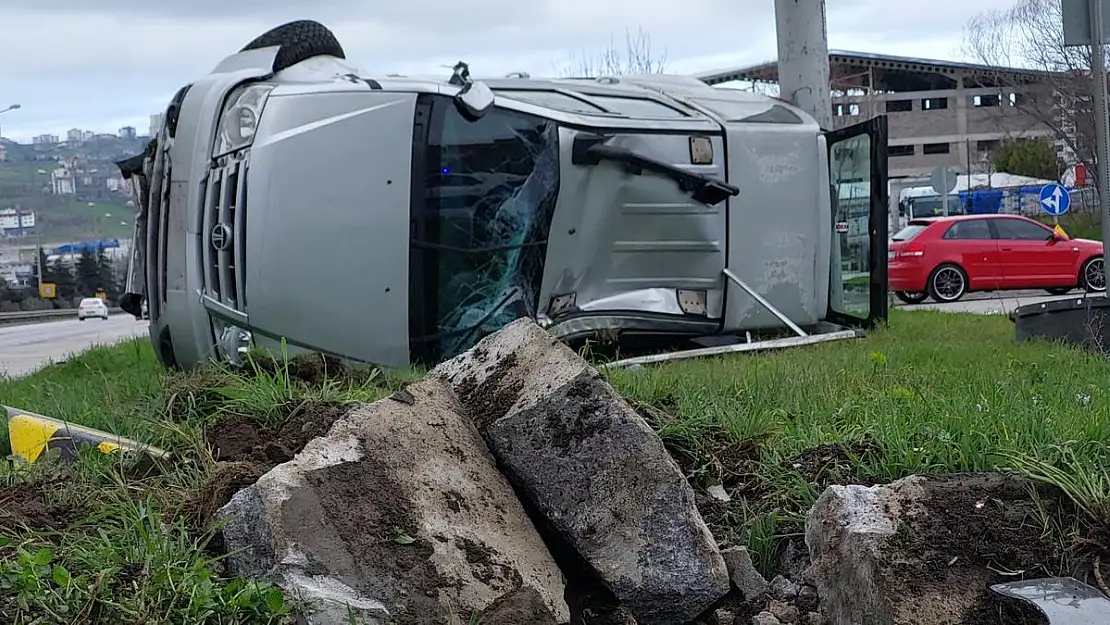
{"x":239,"y":119}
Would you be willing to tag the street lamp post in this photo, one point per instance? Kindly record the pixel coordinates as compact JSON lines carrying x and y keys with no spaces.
{"x":11,"y":107}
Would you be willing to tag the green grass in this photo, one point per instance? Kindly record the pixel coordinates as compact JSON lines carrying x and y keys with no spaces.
{"x":932,"y":393}
{"x":1077,"y":225}
{"x":110,"y":388}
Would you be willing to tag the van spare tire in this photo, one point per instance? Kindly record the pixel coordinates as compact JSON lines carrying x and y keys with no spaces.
{"x":297,"y":41}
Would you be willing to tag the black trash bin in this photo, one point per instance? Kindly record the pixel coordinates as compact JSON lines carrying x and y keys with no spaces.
{"x":1082,"y":321}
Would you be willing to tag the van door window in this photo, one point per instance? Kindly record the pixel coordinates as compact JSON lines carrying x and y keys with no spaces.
{"x":481,"y":226}
{"x":858,"y":181}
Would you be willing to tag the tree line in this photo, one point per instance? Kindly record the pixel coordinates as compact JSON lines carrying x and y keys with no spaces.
{"x":90,"y":273}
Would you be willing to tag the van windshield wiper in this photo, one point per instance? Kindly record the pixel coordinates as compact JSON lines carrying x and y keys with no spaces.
{"x":592,"y":149}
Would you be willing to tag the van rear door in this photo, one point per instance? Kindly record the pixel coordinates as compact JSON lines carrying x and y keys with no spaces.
{"x":858,"y":184}
{"x":134,"y":172}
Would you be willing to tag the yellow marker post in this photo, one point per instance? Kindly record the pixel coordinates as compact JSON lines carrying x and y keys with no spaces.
{"x":1060,"y":231}
{"x":33,"y":434}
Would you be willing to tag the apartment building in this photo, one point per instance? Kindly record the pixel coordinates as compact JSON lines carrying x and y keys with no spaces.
{"x":156,"y":122}
{"x":939,"y":112}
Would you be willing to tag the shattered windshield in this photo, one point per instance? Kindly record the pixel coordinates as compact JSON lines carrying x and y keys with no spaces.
{"x":490,"y":189}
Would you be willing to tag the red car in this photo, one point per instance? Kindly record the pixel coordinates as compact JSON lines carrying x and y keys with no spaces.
{"x":947,"y":257}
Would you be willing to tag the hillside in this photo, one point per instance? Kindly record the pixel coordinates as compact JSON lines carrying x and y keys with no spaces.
{"x":92,"y":211}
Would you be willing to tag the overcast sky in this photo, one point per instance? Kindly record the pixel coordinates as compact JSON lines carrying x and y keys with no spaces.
{"x":71,"y":65}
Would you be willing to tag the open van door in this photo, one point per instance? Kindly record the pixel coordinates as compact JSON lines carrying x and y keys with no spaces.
{"x":134,"y":293}
{"x":860,"y":223}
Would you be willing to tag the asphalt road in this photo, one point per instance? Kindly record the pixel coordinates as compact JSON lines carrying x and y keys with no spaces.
{"x":25,"y":348}
{"x":997,"y":303}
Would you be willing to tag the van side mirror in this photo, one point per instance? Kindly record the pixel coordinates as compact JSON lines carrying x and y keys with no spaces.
{"x":474,"y":100}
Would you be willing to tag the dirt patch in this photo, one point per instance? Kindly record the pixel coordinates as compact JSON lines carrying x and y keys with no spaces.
{"x":362,"y":502}
{"x":242,"y":439}
{"x":834,"y":463}
{"x":245,"y":449}
{"x":228,"y":479}
{"x":316,"y":370}
{"x":484,"y":566}
{"x":32,"y":505}
{"x":974,"y":526}
{"x":491,"y":400}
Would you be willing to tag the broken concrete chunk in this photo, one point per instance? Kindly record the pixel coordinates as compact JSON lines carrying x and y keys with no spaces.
{"x":783,"y":588}
{"x":524,"y":605}
{"x":846,"y":530}
{"x":870,"y":547}
{"x":399,"y":512}
{"x":721,"y":616}
{"x":745,"y":577}
{"x":765,"y":618}
{"x":807,"y":599}
{"x":594,"y":469}
{"x":784,"y":611}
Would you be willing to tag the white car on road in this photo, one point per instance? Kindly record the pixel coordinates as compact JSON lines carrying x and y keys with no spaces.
{"x":92,"y":307}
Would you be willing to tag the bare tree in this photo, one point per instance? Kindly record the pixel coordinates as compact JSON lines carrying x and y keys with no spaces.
{"x":1056,"y":91}
{"x":636,"y":58}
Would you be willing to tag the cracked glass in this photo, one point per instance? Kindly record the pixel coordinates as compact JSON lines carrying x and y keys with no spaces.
{"x":490,"y":191}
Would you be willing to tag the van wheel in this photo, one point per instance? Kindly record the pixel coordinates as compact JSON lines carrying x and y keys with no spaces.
{"x":947,"y":283}
{"x":298,"y":40}
{"x":1059,"y":290}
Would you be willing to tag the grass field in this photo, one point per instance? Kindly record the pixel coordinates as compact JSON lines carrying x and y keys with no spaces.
{"x":933,"y":393}
{"x":62,"y":218}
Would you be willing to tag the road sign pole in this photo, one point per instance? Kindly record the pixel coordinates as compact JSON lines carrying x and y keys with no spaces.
{"x":1102,"y":138}
{"x":944,"y":181}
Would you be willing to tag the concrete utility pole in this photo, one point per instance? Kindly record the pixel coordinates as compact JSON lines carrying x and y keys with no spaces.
{"x":803,"y":68}
{"x":1102,"y":125}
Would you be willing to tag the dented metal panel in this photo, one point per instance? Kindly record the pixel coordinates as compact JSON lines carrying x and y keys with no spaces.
{"x":626,"y":242}
{"x":1064,"y":600}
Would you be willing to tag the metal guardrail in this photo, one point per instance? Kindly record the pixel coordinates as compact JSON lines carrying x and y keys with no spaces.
{"x":34,"y":316}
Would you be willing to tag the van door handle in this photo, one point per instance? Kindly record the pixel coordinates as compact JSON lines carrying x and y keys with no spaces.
{"x":1007,"y":249}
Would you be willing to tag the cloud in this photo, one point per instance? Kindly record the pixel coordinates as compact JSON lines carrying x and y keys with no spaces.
{"x":72,"y":63}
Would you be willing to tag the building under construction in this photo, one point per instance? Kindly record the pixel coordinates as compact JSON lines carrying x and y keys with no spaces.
{"x":939,"y":112}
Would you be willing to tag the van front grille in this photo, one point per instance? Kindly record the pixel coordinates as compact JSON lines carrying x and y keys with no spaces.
{"x":224,"y":232}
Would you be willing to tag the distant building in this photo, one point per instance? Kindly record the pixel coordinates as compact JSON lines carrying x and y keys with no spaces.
{"x":127,"y":133}
{"x":45,"y":140}
{"x":939,"y":113}
{"x":156,"y":122}
{"x":62,"y":180}
{"x":15,"y":222}
{"x":75,"y":135}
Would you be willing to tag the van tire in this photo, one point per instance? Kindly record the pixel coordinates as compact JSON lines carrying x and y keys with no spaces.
{"x":298,"y":40}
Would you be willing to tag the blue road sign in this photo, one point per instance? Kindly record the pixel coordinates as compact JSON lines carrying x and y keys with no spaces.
{"x":1055,"y":199}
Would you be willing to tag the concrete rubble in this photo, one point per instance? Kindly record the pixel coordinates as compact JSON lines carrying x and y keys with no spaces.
{"x":514,"y":467}
{"x":923,"y":551}
{"x":593,"y":469}
{"x":398,"y":514}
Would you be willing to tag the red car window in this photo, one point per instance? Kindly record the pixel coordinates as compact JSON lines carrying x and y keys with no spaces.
{"x":1021,"y":230}
{"x":970,"y":229}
